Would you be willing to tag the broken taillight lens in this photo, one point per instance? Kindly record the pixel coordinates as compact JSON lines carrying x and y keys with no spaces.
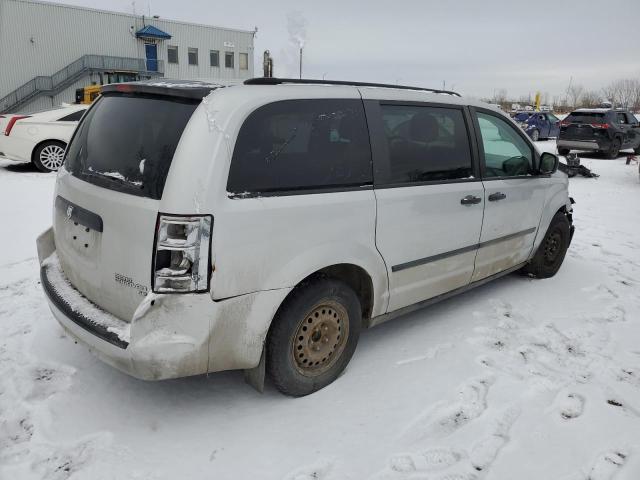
{"x":182,"y":254}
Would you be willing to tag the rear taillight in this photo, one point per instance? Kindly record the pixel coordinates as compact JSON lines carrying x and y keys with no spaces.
{"x":600,"y":125}
{"x":12,"y":122}
{"x":181,"y":258}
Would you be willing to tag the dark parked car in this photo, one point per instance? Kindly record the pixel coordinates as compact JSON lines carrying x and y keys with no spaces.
{"x":538,"y":125}
{"x":599,"y":129}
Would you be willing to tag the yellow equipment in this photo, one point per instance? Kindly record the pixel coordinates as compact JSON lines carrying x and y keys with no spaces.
{"x":537,"y":101}
{"x":87,"y":94}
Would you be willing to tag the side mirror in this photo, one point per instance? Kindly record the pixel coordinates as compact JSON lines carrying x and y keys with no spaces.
{"x":548,"y":163}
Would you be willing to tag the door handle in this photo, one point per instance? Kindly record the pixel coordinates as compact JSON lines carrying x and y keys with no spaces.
{"x":470,"y":200}
{"x":494,"y":197}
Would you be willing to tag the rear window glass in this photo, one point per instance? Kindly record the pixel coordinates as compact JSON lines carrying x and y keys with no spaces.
{"x":302,"y":144}
{"x":586,"y":117}
{"x":127,"y":142}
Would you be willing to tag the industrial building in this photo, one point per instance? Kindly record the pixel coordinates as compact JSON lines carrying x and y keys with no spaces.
{"x":48,"y":50}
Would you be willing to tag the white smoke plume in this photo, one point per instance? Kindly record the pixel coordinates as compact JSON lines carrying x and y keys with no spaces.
{"x":287,"y":65}
{"x":297,"y":28}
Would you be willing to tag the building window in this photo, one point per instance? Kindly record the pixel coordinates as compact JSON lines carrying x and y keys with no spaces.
{"x":193,"y":56}
{"x":228,"y":59}
{"x":172,"y":54}
{"x":244,"y":61}
{"x":214,"y":58}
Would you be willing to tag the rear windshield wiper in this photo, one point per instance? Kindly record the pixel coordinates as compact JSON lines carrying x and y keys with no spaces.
{"x":115,"y":177}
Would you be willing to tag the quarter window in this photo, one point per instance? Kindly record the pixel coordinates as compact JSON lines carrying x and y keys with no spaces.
{"x":425,"y":144}
{"x":193,"y":56}
{"x":506,"y":153}
{"x":72,"y":117}
{"x":244,"y":61}
{"x":214,"y":58}
{"x":302,"y":144}
{"x":172,"y":54}
{"x":228,"y":59}
{"x":621,"y":118}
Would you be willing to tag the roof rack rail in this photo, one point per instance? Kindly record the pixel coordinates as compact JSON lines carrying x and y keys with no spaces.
{"x":309,"y":81}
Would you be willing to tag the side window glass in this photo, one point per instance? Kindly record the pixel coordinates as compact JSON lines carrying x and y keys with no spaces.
{"x":302,"y":144}
{"x":621,"y":118}
{"x":425,"y":144}
{"x":552,"y":118}
{"x":506,"y":153}
{"x":72,"y":117}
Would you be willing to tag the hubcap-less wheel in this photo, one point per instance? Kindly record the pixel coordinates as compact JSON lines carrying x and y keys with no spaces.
{"x":52,"y":157}
{"x":320,"y":338}
{"x":552,"y":246}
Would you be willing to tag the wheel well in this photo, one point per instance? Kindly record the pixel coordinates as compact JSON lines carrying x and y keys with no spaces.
{"x":39,"y":144}
{"x":563,"y":210}
{"x":356,"y":277}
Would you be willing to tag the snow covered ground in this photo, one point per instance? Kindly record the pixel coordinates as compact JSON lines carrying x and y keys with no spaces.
{"x":519,"y":379}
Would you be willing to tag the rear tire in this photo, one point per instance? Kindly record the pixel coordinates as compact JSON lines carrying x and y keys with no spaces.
{"x":48,"y":156}
{"x":563,"y":151}
{"x":614,"y":149}
{"x":551,"y":252}
{"x":313,"y":336}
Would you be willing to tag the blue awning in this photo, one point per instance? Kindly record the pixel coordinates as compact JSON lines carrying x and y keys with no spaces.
{"x":152,"y":32}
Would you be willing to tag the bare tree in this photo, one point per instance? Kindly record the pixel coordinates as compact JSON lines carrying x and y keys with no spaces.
{"x":624,"y":93}
{"x":591,"y":99}
{"x":574,"y":92}
{"x":500,"y":96}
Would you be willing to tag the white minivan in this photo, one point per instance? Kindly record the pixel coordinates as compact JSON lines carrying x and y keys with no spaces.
{"x":200,"y":228}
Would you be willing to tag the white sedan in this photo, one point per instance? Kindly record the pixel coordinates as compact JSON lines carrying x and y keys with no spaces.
{"x":39,"y":138}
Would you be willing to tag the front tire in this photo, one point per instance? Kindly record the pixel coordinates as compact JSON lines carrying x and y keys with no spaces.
{"x":614,"y":149}
{"x":551,"y":252}
{"x":313,"y":336}
{"x":48,"y":156}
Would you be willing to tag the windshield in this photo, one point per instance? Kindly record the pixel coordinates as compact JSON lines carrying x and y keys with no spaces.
{"x":127,"y":142}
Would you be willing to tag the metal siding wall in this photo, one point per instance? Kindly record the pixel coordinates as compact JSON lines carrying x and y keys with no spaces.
{"x":68,"y":95}
{"x":203,"y":38}
{"x":41,"y":38}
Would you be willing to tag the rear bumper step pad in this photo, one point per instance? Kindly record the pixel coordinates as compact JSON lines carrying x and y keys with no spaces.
{"x":106,"y":332}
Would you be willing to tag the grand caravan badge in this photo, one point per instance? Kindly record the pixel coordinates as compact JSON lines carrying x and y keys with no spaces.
{"x":130,"y":283}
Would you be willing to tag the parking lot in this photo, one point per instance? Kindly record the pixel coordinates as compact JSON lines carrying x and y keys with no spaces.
{"x":519,"y":378}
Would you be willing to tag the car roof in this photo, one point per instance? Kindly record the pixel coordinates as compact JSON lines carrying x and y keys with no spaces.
{"x":594,"y":110}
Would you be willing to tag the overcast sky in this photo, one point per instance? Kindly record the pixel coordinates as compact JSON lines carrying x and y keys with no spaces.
{"x":474,"y":46}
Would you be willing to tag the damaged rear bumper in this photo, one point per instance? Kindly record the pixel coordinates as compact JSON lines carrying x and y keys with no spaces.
{"x":169,"y":336}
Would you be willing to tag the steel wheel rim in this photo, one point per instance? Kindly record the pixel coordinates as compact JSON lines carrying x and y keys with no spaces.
{"x":52,"y":156}
{"x":320,"y":338}
{"x":552,"y":246}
